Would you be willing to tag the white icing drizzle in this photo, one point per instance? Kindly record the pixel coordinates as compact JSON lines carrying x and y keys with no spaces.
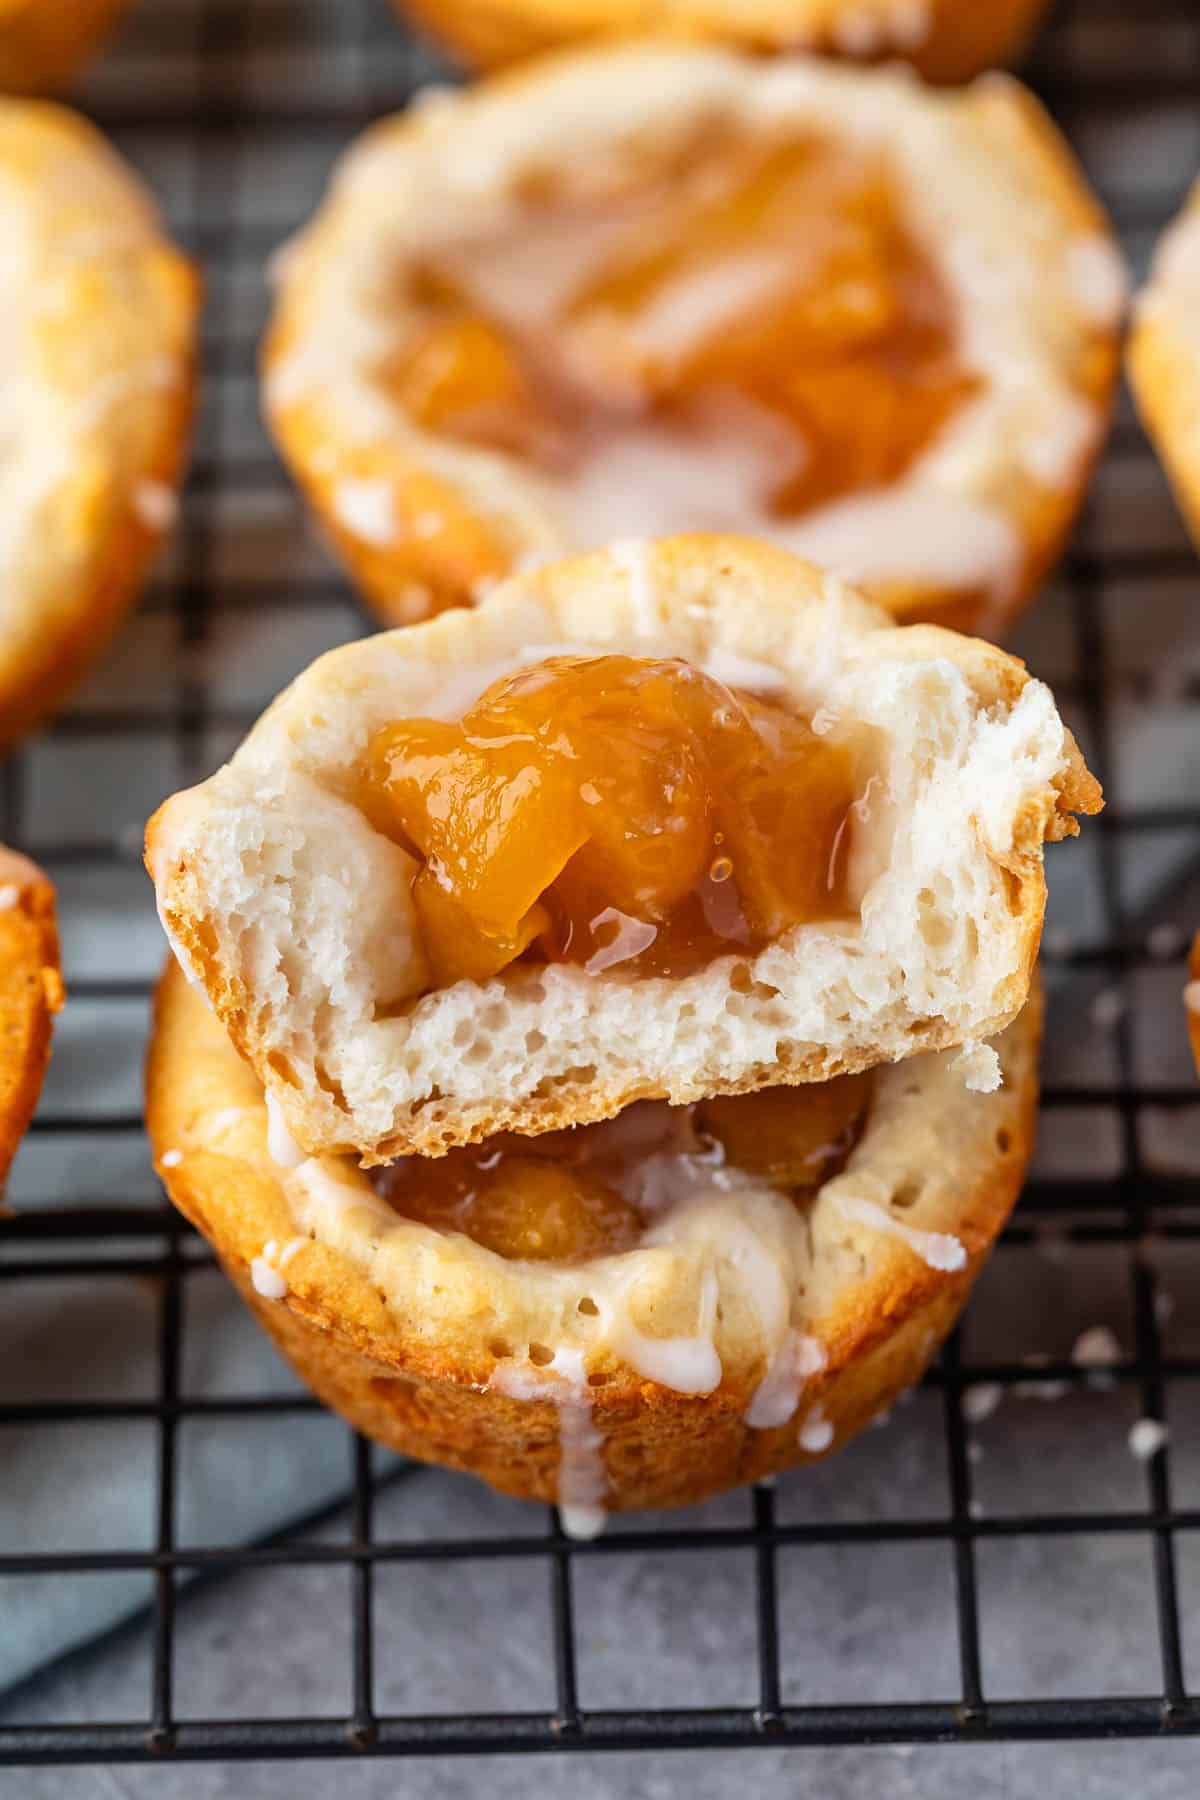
{"x":292,"y":1248}
{"x":324,"y":1202}
{"x":171,"y":1159}
{"x":1191,"y":996}
{"x":937,"y":1248}
{"x":777,"y":1395}
{"x":366,"y":508}
{"x":816,"y":1433}
{"x":911,"y":532}
{"x":10,"y":893}
{"x":684,"y":312}
{"x":265,"y":1276}
{"x":687,"y":1365}
{"x":228,"y":1116}
{"x":281,"y":1145}
{"x":1027,"y":292}
{"x":650,"y":481}
{"x":582,"y":1479}
{"x":743,"y":672}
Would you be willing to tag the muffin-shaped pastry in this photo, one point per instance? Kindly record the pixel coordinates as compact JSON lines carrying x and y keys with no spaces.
{"x":652,"y":290}
{"x":947,"y":40}
{"x":659,"y":823}
{"x":96,"y":372}
{"x":1164,"y":357}
{"x":31,"y":992}
{"x":631,"y":1314}
{"x":43,"y":42}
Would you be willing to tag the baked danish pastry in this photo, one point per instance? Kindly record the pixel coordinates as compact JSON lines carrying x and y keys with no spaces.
{"x":649,"y":290}
{"x":1164,"y":357}
{"x":947,"y":40}
{"x":664,"y":822}
{"x":43,"y":42}
{"x":31,"y":992}
{"x":641,"y":1313}
{"x":1191,"y":998}
{"x":96,"y":372}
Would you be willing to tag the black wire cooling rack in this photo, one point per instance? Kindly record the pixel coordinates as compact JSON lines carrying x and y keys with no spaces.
{"x":235,"y":108}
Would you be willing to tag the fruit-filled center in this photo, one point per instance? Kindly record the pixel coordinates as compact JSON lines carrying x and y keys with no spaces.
{"x":615,"y":812}
{"x":759,"y":298}
{"x":591,"y":1191}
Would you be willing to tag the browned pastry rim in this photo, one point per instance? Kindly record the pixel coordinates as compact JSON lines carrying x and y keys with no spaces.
{"x":31,"y":992}
{"x":375,"y":1346}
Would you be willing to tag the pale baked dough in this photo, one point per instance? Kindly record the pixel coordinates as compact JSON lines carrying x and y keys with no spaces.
{"x":43,"y":42}
{"x":1164,"y":357}
{"x":31,"y":992}
{"x":990,"y":190}
{"x":96,"y":369}
{"x":947,"y":40}
{"x":297,"y":916}
{"x":629,"y":1381}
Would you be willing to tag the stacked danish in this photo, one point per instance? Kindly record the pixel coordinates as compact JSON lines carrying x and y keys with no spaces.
{"x":619,"y":1051}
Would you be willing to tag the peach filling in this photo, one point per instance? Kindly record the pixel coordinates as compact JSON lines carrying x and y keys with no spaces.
{"x":755,"y":288}
{"x":613,"y":811}
{"x":570,"y":1195}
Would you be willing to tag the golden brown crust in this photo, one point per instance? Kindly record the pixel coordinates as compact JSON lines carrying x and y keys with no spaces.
{"x":43,"y":42}
{"x":946,"y":40}
{"x":456,"y":521}
{"x":751,"y":599}
{"x":423,"y":1388}
{"x":1163,"y":358}
{"x":31,"y":992}
{"x":107,"y":398}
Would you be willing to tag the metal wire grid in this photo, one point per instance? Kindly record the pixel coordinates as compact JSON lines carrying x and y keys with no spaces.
{"x":215,"y":128}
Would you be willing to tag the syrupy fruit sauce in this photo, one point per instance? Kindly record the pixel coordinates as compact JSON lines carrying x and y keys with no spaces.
{"x":614,"y":812}
{"x":569,"y":1195}
{"x":757,"y":288}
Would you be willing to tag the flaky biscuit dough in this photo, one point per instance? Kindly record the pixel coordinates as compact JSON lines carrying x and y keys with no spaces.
{"x":987,"y":185}
{"x":97,"y":374}
{"x":439,"y":1348}
{"x":296,"y":915}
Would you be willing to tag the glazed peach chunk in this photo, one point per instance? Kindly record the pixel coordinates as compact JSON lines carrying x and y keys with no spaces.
{"x":614,"y":811}
{"x":769,"y":290}
{"x":569,"y":1195}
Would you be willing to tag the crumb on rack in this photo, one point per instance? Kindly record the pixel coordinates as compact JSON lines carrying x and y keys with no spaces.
{"x":980,"y":1401}
{"x":1096,"y":1348}
{"x":1147,"y":1437}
